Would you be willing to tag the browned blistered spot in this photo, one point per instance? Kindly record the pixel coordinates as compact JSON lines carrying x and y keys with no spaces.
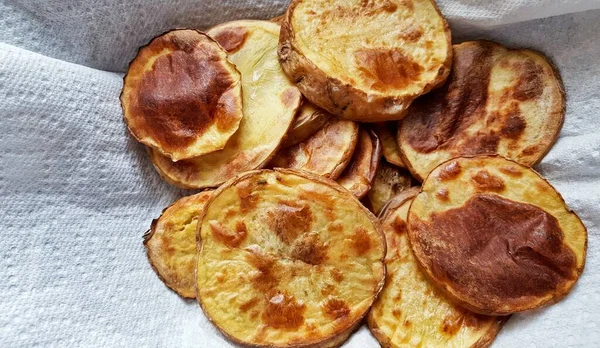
{"x":336,"y":275}
{"x":230,"y":238}
{"x":232,"y":38}
{"x":248,"y":200}
{"x":484,"y":181}
{"x":398,"y":296}
{"x":289,"y":220}
{"x":399,"y":225}
{"x":266,"y":279}
{"x":530,"y":150}
{"x":230,"y":213}
{"x":511,"y":171}
{"x":514,"y":125}
{"x":361,"y":241}
{"x":530,"y":84}
{"x":283,"y":312}
{"x":335,"y":226}
{"x":385,"y":69}
{"x":290,"y":97}
{"x":327,"y":289}
{"x":407,"y":323}
{"x":397,"y":313}
{"x":449,"y":171}
{"x":254,"y":315}
{"x":310,"y":249}
{"x":452,"y":323}
{"x":244,"y":307}
{"x":442,"y":195}
{"x":335,"y":308}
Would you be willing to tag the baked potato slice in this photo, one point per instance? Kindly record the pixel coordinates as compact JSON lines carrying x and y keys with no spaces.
{"x":270,"y":103}
{"x":389,"y":182}
{"x":307,"y":122}
{"x":387,"y":132}
{"x":411,"y":311}
{"x":182,"y":96}
{"x":497,"y":100}
{"x":495,"y":236}
{"x":360,"y":173}
{"x":171,"y":243}
{"x":365,"y":60}
{"x":288,"y":259}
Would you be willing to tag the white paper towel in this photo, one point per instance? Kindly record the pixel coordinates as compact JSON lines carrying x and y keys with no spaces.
{"x":77,"y":192}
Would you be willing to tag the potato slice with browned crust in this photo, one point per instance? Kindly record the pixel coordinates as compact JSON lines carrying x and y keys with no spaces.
{"x":495,"y":236}
{"x":326,"y":153}
{"x":365,"y":60}
{"x":171,"y":243}
{"x":411,"y":311}
{"x":288,"y":259}
{"x":360,"y":173}
{"x":386,"y":131}
{"x":307,"y":122}
{"x":509,"y":102}
{"x":389,"y":182}
{"x":270,"y":103}
{"x":182,"y":96}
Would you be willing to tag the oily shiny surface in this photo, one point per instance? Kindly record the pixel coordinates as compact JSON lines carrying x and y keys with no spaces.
{"x":410,"y":310}
{"x":288,"y":259}
{"x":496,"y":100}
{"x":359,"y":174}
{"x":270,"y":103}
{"x":496,"y":236}
{"x":182,"y":96}
{"x":308,"y":121}
{"x":388,"y":183}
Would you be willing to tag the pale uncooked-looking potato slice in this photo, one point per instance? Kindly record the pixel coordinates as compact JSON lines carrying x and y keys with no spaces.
{"x":411,"y":311}
{"x":387,"y":131}
{"x":360,"y":173}
{"x":495,"y":236}
{"x":171,"y":243}
{"x":270,"y":103}
{"x":308,"y":121}
{"x":365,"y":60}
{"x":182,"y":96}
{"x":389,"y":182}
{"x":509,"y":102}
{"x":288,"y":259}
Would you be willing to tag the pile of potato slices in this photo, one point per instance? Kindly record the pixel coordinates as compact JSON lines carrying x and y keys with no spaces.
{"x":298,"y":131}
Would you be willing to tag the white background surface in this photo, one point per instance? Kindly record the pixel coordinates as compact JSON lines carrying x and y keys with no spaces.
{"x":77,"y":193}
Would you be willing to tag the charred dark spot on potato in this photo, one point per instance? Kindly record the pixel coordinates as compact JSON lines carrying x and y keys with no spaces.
{"x":385,"y":68}
{"x":335,"y":308}
{"x":513,"y":171}
{"x":230,"y":238}
{"x":449,"y":171}
{"x":336,"y":275}
{"x":484,"y":181}
{"x":248,"y":199}
{"x":361,"y":242}
{"x":244,"y":307}
{"x":289,"y":220}
{"x":514,"y":125}
{"x":309,"y":249}
{"x":399,"y":226}
{"x":407,"y":323}
{"x":283,"y":312}
{"x":442,"y":195}
{"x":232,"y":38}
{"x":530,"y":84}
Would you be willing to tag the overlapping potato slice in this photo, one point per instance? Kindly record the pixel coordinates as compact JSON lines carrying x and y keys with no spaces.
{"x":171,"y":243}
{"x":365,"y":60}
{"x":325,"y":153}
{"x":182,"y":96}
{"x":270,"y":103}
{"x":386,"y":131}
{"x":497,"y":100}
{"x":360,"y":173}
{"x":495,"y":236}
{"x":288,"y":259}
{"x":389,"y":182}
{"x":307,"y":122}
{"x":411,"y":311}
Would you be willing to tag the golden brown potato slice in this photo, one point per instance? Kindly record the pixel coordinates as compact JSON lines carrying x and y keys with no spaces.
{"x":495,"y":236}
{"x":308,"y":121}
{"x":171,"y":243}
{"x":288,"y":259}
{"x":359,"y":174}
{"x":365,"y":60}
{"x":181,"y":95}
{"x":270,"y":103}
{"x":389,"y":182}
{"x":411,"y":311}
{"x":497,"y":100}
{"x":386,"y":131}
{"x":326,"y":153}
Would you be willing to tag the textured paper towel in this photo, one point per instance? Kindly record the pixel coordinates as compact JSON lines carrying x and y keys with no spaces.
{"x":78,"y":193}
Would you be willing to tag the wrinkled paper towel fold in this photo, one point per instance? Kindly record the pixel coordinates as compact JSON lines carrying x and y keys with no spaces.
{"x":77,"y":193}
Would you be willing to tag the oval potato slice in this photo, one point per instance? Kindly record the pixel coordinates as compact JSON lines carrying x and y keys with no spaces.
{"x":288,"y":259}
{"x":389,"y":182}
{"x":386,"y":131}
{"x":326,"y":153}
{"x":410,"y":310}
{"x":270,"y":103}
{"x":360,"y":173}
{"x":181,"y":95}
{"x":171,"y":243}
{"x":509,"y":102}
{"x":495,"y":236}
{"x":365,"y":60}
{"x":307,"y":122}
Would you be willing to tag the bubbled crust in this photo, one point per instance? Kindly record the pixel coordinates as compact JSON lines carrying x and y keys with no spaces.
{"x":360,"y":173}
{"x":298,"y":258}
{"x":182,"y":96}
{"x":308,"y":121}
{"x":270,"y":103}
{"x":496,"y":100}
{"x":330,"y":50}
{"x":495,"y":236}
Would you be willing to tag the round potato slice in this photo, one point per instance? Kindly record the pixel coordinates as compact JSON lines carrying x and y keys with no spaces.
{"x":495,"y":236}
{"x":308,"y":121}
{"x":411,"y":311}
{"x":389,"y":182}
{"x":181,"y":95}
{"x":386,"y":131}
{"x":326,"y":153}
{"x":288,"y":259}
{"x":270,"y":103}
{"x":360,"y":173}
{"x":509,"y":102}
{"x":171,"y":243}
{"x":365,"y":60}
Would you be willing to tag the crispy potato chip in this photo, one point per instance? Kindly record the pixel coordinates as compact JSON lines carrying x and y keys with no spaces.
{"x":495,"y":236}
{"x":360,"y":173}
{"x":270,"y":103}
{"x":386,"y":131}
{"x":181,"y":95}
{"x":389,"y":181}
{"x":288,"y":259}
{"x":171,"y":243}
{"x":365,"y":60}
{"x":509,"y":102}
{"x":411,"y":311}
{"x":307,"y":122}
